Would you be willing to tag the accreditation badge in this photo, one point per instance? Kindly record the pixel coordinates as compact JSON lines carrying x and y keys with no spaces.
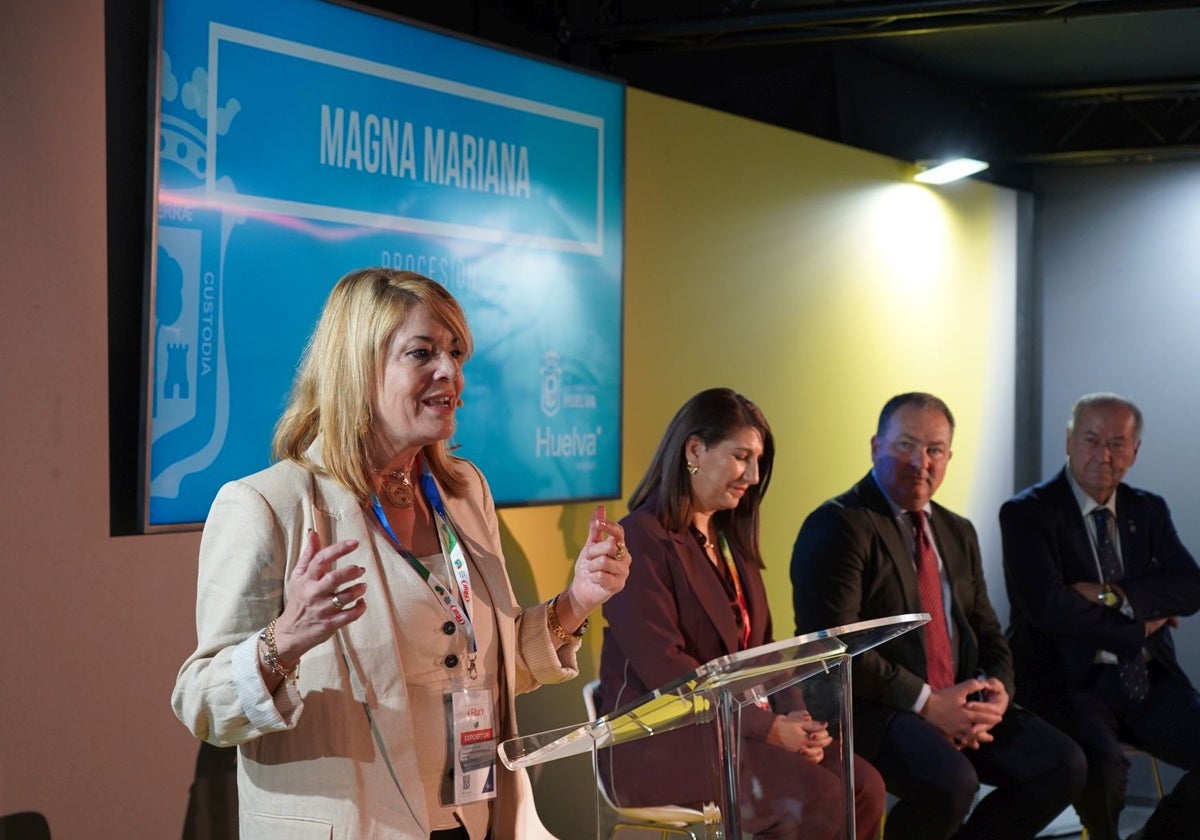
{"x":473,"y":741}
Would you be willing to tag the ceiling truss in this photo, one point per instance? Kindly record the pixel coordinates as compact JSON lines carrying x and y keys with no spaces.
{"x":1116,"y":124}
{"x":1091,"y":124}
{"x":632,"y":26}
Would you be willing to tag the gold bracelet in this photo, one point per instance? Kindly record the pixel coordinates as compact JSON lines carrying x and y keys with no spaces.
{"x":557,"y":629}
{"x":267,"y":636}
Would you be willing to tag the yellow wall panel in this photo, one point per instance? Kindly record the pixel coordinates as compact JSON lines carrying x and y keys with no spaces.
{"x":819,"y":281}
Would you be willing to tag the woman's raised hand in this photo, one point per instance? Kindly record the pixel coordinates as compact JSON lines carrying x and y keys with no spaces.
{"x":319,"y":600}
{"x":600,"y":571}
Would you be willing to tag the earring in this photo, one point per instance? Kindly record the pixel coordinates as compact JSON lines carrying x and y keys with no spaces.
{"x":692,"y":468}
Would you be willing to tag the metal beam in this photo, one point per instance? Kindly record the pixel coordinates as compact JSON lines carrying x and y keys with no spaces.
{"x":1093,"y":157}
{"x":811,"y":23}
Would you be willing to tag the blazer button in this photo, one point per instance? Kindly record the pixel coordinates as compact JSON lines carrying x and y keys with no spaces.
{"x":448,"y":628}
{"x":451,"y":660}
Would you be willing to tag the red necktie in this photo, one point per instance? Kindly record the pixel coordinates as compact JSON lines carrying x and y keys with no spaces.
{"x":939,"y":664}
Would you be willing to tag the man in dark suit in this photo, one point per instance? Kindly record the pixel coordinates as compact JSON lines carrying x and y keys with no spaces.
{"x":931,"y":707}
{"x":1096,"y":576}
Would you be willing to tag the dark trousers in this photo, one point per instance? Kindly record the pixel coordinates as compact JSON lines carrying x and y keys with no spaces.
{"x":1037,"y":771}
{"x":1166,"y":724}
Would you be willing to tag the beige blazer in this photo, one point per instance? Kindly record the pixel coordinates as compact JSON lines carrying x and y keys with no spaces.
{"x":331,"y":756}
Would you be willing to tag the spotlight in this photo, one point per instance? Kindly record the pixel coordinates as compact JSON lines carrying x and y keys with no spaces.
{"x":943,"y":172}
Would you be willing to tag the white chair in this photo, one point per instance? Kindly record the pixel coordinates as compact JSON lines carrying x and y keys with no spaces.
{"x":667,"y":820}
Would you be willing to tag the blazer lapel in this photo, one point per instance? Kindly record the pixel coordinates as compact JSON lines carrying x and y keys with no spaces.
{"x":899,"y":555}
{"x":374,"y":671}
{"x":1131,"y":511}
{"x":463,"y":517}
{"x":1080,"y":560}
{"x":756,"y":602}
{"x":337,"y":515}
{"x":901,"y":558}
{"x":708,"y":588}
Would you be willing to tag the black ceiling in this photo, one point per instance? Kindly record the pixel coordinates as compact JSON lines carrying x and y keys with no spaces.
{"x":1021,"y":84}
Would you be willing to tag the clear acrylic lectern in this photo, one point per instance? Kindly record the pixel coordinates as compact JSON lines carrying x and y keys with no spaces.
{"x":810,"y":672}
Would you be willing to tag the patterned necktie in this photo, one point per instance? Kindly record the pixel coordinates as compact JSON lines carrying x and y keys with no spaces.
{"x":1134,"y":680}
{"x":939,"y":664}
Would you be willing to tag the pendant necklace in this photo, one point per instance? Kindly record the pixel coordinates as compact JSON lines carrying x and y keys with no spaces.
{"x":397,"y":491}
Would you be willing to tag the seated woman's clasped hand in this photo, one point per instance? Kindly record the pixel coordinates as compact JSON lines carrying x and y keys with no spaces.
{"x":797,"y":732}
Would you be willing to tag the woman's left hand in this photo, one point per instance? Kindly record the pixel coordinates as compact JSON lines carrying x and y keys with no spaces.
{"x":797,"y":732}
{"x":600,"y":572}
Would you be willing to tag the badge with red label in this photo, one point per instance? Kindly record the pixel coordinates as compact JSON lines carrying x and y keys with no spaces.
{"x":474,"y":735}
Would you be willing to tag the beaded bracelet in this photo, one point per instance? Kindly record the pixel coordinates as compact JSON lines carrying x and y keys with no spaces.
{"x":557,"y":629}
{"x":267,"y":636}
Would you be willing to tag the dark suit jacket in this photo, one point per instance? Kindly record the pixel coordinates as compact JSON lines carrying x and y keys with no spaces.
{"x":672,"y":616}
{"x":1055,"y":632}
{"x":851,"y":562}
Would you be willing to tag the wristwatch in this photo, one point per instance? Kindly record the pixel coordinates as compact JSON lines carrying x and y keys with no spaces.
{"x":1109,"y":597}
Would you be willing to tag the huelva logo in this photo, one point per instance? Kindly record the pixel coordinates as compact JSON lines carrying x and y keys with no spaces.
{"x":551,"y":383}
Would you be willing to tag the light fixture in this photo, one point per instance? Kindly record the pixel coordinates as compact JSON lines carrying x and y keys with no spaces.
{"x":942,"y":172}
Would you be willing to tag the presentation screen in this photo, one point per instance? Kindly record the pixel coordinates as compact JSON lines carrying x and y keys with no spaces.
{"x":297,"y":140}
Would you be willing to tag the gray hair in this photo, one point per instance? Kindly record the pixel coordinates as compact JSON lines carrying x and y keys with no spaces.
{"x":1105,"y":399}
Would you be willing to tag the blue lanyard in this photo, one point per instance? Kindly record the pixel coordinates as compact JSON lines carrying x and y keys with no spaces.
{"x":459,"y":608}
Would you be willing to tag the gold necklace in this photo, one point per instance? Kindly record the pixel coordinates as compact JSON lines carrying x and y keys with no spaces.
{"x":397,"y":490}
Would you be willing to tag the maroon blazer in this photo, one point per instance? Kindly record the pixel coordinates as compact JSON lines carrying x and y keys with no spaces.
{"x":672,"y":616}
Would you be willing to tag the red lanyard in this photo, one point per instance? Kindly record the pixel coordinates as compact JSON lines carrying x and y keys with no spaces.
{"x":739,"y":595}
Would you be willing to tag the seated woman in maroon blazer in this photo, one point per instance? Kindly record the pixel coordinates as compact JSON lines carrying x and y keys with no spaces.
{"x":696,"y":593}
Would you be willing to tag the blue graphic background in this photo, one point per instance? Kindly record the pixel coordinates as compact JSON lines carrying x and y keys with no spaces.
{"x":248,"y":250}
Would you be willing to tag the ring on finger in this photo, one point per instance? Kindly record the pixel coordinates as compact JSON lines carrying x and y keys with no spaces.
{"x":337,"y":602}
{"x":621,"y":552}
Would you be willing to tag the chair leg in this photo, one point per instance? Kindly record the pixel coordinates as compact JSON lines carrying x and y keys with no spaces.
{"x":1157,"y":778}
{"x":1158,"y":786}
